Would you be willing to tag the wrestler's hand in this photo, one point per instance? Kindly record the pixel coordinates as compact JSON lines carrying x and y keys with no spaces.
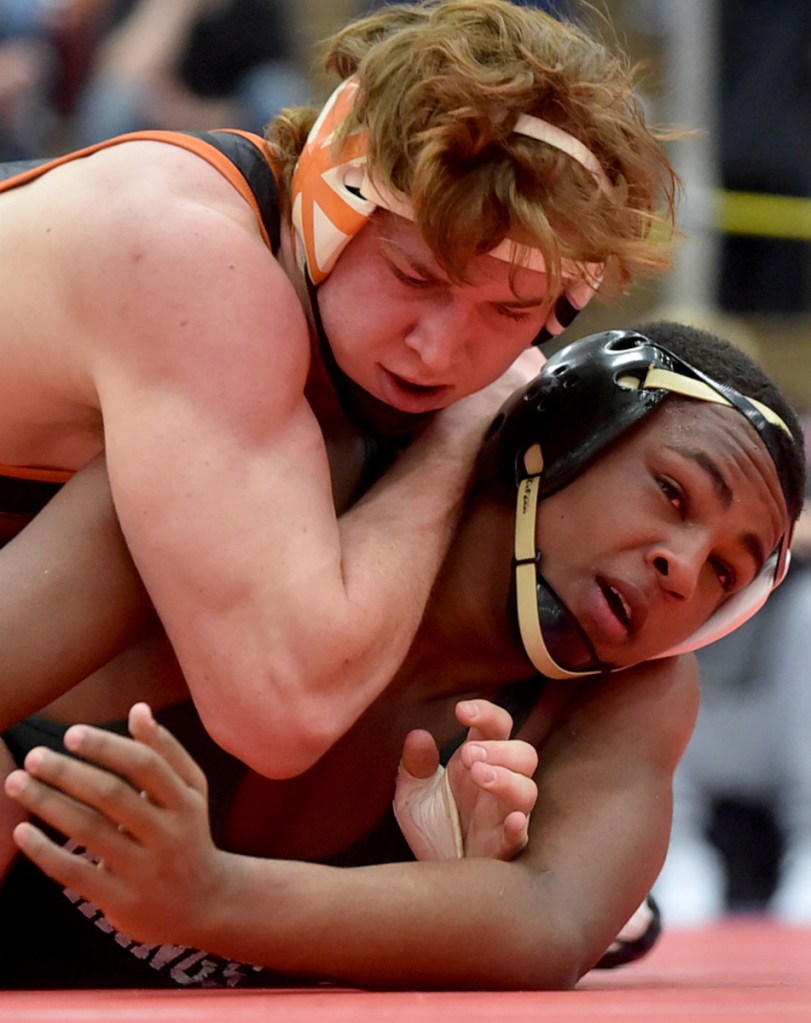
{"x":476,"y":411}
{"x":142,"y":812}
{"x":489,"y":778}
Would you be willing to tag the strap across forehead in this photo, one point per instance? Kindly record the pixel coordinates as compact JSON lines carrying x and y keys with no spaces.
{"x":690,"y":387}
{"x":334,"y":197}
{"x":551,"y":654}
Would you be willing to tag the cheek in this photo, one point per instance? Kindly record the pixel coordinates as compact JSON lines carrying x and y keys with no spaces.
{"x":351,"y":318}
{"x":585,"y":519}
{"x":668,"y":629}
{"x":560,"y":535}
{"x":490,"y":358}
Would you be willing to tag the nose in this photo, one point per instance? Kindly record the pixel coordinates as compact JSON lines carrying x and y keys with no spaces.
{"x":678,"y":565}
{"x":437,"y":338}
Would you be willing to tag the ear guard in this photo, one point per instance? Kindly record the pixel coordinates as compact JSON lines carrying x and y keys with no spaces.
{"x":588,"y":395}
{"x":333,"y":197}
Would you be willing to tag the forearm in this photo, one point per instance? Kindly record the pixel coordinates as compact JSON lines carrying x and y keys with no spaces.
{"x":394,"y":540}
{"x":469,"y":924}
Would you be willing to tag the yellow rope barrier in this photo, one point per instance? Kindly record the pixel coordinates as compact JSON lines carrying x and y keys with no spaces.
{"x":769,"y":216}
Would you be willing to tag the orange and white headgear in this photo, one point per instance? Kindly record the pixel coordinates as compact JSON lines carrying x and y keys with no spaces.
{"x":333,"y":197}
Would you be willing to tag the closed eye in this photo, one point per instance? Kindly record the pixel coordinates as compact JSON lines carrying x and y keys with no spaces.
{"x":513,"y":313}
{"x":410,"y":280}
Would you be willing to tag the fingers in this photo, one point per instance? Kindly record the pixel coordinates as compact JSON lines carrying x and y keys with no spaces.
{"x":515,"y":791}
{"x":62,"y":866}
{"x":420,"y":754}
{"x":92,"y":802}
{"x":148,"y":764}
{"x":484,"y":720}
{"x":515,"y":833}
{"x":515,"y":796}
{"x":511,"y":754}
{"x":81,"y":822}
{"x":145,"y":729}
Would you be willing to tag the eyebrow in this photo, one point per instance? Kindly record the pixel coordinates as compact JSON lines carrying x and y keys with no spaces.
{"x":391,"y":248}
{"x":719,"y":483}
{"x":750,"y":541}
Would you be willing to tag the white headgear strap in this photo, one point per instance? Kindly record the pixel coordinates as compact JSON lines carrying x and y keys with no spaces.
{"x":333,"y":197}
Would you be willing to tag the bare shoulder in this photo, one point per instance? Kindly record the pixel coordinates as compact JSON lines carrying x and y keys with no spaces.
{"x":158,"y":252}
{"x":650,"y":709}
{"x":145,"y":203}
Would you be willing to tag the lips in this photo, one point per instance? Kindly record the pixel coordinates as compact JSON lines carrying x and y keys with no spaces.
{"x":410,"y":396}
{"x":626,"y":603}
{"x":414,"y":388}
{"x":618,"y":605}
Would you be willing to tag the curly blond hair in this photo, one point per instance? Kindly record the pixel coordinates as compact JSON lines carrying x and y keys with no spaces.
{"x":442,"y":83}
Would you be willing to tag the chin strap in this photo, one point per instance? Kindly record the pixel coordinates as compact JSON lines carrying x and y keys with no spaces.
{"x":552,"y":637}
{"x":535,"y":598}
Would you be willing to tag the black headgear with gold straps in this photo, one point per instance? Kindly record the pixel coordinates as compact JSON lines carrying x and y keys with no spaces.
{"x":587,"y":396}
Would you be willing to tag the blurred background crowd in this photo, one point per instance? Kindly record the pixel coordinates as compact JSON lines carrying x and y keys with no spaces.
{"x":73,"y":72}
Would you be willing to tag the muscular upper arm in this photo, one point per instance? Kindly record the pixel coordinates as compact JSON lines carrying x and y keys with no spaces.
{"x":286,"y":622}
{"x":199,"y":351}
{"x":601,"y":824}
{"x":216,"y":462}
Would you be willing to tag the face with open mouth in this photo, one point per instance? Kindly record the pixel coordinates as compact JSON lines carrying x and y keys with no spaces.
{"x":648,"y":541}
{"x":404,"y":332}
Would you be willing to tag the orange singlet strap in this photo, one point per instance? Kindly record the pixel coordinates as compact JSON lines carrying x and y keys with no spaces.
{"x":205,"y":150}
{"x":26,"y":472}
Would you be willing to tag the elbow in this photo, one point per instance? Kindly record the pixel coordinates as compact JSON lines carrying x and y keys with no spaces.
{"x":556,"y":965}
{"x":277,"y":742}
{"x":546,"y":950}
{"x":550,"y":967}
{"x":281,"y":716}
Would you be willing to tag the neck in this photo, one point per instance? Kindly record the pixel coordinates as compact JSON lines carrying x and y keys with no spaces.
{"x":468,"y":630}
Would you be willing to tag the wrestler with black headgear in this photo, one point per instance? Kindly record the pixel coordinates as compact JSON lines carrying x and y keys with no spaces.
{"x":676,"y":507}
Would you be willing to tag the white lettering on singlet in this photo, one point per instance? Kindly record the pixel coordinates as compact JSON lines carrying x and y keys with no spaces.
{"x":187,"y":967}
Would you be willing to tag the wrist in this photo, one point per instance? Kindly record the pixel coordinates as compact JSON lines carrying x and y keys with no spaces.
{"x":214,"y":919}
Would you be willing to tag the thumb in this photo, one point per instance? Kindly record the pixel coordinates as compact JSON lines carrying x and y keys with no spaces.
{"x":420,"y":754}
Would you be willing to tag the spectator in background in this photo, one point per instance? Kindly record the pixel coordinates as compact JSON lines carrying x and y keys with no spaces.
{"x":44,"y":51}
{"x":191,"y":64}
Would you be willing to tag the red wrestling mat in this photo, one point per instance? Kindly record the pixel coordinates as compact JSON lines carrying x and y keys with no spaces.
{"x":742,"y":970}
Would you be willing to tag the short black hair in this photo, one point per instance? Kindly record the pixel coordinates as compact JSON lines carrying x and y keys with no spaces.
{"x":726,"y":363}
